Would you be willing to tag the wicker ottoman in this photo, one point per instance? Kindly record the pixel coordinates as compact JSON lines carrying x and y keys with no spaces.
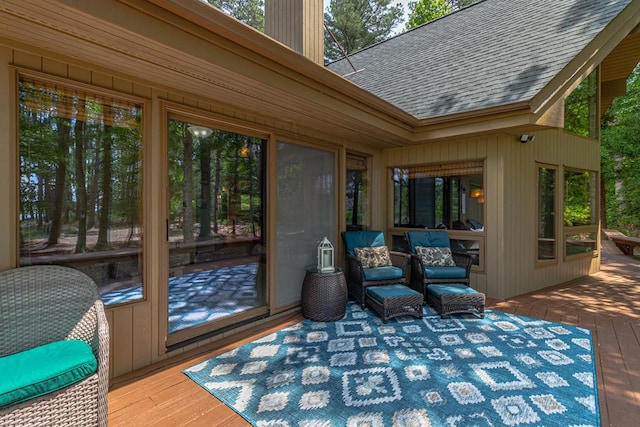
{"x":394,"y":300}
{"x":455,"y":298}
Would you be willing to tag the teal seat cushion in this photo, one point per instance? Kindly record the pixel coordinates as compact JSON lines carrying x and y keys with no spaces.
{"x":387,"y":272}
{"x":379,"y":293}
{"x":433,"y":272}
{"x":44,"y":369}
{"x":454,"y":288}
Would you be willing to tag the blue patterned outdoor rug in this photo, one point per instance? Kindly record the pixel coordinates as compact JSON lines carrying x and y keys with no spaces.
{"x":501,"y":370}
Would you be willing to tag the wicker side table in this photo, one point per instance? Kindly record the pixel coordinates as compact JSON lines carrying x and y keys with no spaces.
{"x":324,"y":295}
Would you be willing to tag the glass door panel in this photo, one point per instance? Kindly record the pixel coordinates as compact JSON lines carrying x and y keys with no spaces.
{"x":306,"y":213}
{"x":215,"y":227}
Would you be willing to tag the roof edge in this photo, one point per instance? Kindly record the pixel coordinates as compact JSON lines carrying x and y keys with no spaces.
{"x":284,"y":60}
{"x":588,"y":59}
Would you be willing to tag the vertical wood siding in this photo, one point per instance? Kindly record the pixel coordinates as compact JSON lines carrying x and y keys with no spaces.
{"x":297,"y":24}
{"x":510,"y":203}
{"x":136,"y":337}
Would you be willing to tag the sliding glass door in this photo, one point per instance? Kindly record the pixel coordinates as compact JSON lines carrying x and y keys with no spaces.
{"x":306,"y":213}
{"x":216,"y":255}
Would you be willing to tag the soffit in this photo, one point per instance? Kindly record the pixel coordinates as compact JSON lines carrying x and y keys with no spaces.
{"x":620,"y":63}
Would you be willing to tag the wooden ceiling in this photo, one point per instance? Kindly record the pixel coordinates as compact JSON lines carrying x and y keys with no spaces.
{"x":617,"y":67}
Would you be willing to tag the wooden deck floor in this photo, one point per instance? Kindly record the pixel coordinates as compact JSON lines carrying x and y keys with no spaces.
{"x":608,"y":303}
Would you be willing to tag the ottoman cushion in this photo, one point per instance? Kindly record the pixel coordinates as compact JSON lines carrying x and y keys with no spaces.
{"x":379,"y":293}
{"x":454,"y":288}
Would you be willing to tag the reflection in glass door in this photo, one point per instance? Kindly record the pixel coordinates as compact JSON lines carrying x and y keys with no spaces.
{"x":215,"y":226}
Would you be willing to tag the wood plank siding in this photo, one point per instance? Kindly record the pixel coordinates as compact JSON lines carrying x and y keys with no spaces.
{"x":510,"y":203}
{"x":298,"y":24}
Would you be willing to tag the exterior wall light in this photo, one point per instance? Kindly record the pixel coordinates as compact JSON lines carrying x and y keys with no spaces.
{"x":527,"y":138}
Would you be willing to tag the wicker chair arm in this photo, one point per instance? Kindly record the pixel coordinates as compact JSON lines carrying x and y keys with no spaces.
{"x":355,"y":271}
{"x":463,"y":260}
{"x":400,"y":259}
{"x":417,"y":268}
{"x":102,"y":329}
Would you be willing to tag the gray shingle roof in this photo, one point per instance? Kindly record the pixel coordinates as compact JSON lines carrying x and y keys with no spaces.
{"x":495,"y":52}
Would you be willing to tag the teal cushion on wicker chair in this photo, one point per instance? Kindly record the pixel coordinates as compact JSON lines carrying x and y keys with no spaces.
{"x":388,"y":272}
{"x":44,"y":369}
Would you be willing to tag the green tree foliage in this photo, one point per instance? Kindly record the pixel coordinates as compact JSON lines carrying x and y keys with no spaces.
{"x":251,"y":12}
{"x":80,"y":167}
{"x":459,"y":4}
{"x":620,"y":161}
{"x":215,"y":184}
{"x":356,"y":24}
{"x":581,"y":107}
{"x":424,"y":11}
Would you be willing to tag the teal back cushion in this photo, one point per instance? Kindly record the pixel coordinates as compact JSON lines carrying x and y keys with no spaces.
{"x":362,"y":239}
{"x":44,"y":369}
{"x":438,"y":239}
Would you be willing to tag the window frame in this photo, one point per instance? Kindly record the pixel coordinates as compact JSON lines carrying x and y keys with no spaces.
{"x":356,"y":159}
{"x":542,"y":262}
{"x":571,"y":230}
{"x":396,"y":232}
{"x":179,"y":112}
{"x":144,"y":149}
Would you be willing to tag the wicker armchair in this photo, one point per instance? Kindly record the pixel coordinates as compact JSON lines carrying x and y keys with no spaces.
{"x":44,"y":304}
{"x":424,"y":275}
{"x":358,"y":277}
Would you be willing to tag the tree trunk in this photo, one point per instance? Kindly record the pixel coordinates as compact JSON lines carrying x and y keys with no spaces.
{"x":603,"y":203}
{"x":216,"y":191}
{"x":103,"y":221}
{"x":81,"y":203}
{"x":205,"y":190}
{"x":94,"y":188}
{"x":187,"y":187}
{"x":234,"y":208}
{"x":40,"y":197}
{"x":64,"y":131}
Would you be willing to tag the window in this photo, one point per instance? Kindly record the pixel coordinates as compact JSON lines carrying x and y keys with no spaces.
{"x":81,"y":184}
{"x":439,"y":196}
{"x":581,"y":108}
{"x":447,"y":196}
{"x":580,"y":211}
{"x":546,"y":249}
{"x":357,"y":193}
